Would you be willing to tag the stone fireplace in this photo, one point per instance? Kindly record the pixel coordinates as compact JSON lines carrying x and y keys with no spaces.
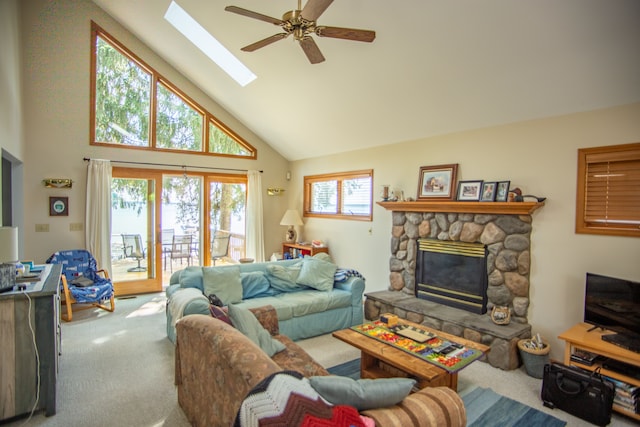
{"x":504,"y":229}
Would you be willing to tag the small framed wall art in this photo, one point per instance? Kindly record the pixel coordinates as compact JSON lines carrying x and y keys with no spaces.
{"x":502,"y":191}
{"x":469,"y":190}
{"x":488,"y":193}
{"x":58,"y":206}
{"x":437,"y":182}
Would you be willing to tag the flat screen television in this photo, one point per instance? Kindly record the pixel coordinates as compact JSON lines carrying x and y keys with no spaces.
{"x":614,"y":304}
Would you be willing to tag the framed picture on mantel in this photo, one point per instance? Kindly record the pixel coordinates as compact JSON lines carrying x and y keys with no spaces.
{"x":469,"y":190}
{"x":437,"y":182}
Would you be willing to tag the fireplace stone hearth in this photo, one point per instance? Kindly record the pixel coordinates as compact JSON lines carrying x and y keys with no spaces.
{"x":507,"y":238}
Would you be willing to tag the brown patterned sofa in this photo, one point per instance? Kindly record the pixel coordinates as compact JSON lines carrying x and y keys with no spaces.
{"x":216,"y":366}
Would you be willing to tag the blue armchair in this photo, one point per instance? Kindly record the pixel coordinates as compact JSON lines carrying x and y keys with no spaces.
{"x":82,"y":282}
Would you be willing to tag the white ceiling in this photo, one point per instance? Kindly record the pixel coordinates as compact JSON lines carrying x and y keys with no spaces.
{"x":435,"y":67}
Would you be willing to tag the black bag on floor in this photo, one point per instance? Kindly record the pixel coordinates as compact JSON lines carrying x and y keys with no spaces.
{"x":581,"y":393}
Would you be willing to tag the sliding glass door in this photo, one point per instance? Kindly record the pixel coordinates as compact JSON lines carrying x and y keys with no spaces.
{"x":226,"y":204}
{"x":134,"y":215}
{"x":181,"y":218}
{"x":162,"y":222}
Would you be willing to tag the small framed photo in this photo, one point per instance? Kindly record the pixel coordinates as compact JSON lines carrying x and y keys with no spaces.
{"x":437,"y":182}
{"x":488,"y":193}
{"x":502,"y":191}
{"x":469,"y":190}
{"x":58,"y":206}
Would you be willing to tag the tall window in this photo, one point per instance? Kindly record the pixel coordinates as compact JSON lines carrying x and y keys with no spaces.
{"x":133,"y":106}
{"x":178,"y":124}
{"x":608,"y":195}
{"x":122,"y":98}
{"x":345,"y":195}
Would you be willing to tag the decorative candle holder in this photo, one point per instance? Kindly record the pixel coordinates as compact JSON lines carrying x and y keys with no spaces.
{"x":385,"y":192}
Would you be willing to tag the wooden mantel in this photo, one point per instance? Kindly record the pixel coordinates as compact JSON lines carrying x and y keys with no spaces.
{"x":496,"y":208}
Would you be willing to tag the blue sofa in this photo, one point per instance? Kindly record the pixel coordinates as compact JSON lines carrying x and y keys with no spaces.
{"x":309,"y":296}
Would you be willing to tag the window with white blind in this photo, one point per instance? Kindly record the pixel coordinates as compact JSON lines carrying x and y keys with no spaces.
{"x":608,"y":196}
{"x":344,"y":195}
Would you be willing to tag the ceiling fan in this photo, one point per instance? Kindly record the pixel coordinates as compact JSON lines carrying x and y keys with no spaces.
{"x":301,"y":23}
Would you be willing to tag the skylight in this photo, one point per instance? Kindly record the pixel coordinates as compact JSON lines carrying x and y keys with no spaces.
{"x":208,"y":44}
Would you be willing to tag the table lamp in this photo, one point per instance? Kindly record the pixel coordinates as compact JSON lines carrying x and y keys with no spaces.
{"x":8,"y":257}
{"x":291,"y":218}
{"x":9,"y":245}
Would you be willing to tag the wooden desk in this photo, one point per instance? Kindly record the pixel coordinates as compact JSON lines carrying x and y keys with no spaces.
{"x":18,"y":371}
{"x":380,"y":360}
{"x":579,"y":337}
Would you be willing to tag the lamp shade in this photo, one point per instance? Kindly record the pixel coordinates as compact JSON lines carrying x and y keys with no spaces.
{"x":291,"y":217}
{"x":8,"y":244}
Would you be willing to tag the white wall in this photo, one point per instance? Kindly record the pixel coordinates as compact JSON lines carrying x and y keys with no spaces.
{"x":11,"y":118}
{"x":56,"y":72}
{"x":538,"y":156}
{"x":10,"y":102}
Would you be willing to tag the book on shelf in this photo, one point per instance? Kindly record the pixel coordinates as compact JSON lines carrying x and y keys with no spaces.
{"x":584,"y":357}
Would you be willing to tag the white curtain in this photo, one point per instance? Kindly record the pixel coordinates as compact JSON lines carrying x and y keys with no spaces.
{"x":255,"y":230}
{"x":98,"y":212}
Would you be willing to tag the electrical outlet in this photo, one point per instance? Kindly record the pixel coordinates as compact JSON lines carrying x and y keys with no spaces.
{"x":42,"y":228}
{"x":75,"y":226}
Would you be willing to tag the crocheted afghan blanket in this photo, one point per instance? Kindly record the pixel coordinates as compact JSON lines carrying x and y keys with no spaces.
{"x":286,"y":398}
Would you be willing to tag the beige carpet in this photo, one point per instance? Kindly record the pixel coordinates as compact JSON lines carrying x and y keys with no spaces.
{"x":116,"y":369}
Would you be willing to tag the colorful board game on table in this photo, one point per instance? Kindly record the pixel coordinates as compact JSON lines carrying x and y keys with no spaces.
{"x":441,"y":352}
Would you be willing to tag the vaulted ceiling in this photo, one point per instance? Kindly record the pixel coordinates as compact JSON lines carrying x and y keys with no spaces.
{"x":435,"y":67}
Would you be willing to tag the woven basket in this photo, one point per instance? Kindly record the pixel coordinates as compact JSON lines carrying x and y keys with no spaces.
{"x":534,"y":359}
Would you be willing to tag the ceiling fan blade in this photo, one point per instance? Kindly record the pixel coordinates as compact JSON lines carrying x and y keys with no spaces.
{"x":314,"y":8}
{"x":311,"y":50}
{"x":254,"y":15}
{"x":262,"y":43}
{"x":346,"y":33}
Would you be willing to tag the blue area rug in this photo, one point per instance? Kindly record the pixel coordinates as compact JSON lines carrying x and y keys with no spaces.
{"x":349,"y":369}
{"x":484,"y":406}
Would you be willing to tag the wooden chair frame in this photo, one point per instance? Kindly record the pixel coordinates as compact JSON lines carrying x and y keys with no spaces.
{"x":67,"y":300}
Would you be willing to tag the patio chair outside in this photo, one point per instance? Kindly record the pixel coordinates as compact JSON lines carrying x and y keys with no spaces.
{"x":181,"y":248}
{"x":132,"y":246}
{"x":167,"y":244}
{"x":220,"y":245}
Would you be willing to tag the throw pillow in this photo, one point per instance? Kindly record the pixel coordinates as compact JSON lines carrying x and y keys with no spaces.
{"x":220,"y":314}
{"x":317,"y":274}
{"x":254,"y":283}
{"x":248,"y":324}
{"x":224,"y":282}
{"x":283,"y":278}
{"x":363,"y":394}
{"x":191,"y":277}
{"x":323,"y":256}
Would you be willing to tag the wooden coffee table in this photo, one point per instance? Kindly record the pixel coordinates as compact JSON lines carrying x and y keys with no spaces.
{"x":381,"y":360}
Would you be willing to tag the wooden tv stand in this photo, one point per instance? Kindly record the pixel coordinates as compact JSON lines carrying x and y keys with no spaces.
{"x":579,"y":337}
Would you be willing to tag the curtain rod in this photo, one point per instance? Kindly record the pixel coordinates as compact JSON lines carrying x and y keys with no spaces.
{"x":86,"y":159}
